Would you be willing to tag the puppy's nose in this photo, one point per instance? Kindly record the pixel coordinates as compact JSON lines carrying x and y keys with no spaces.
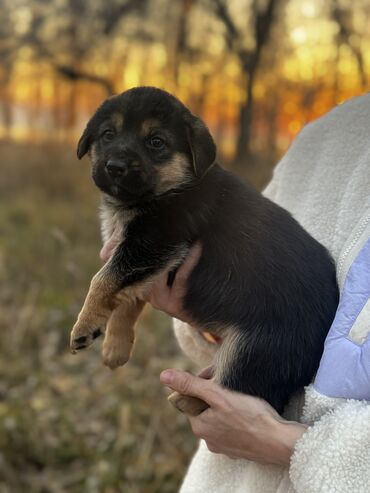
{"x":116,"y":169}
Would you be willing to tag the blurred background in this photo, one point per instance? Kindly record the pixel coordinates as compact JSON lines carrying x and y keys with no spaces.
{"x":256,"y":71}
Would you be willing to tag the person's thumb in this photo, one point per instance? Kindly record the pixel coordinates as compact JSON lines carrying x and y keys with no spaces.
{"x":188,"y":384}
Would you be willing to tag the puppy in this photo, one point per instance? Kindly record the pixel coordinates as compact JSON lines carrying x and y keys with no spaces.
{"x":262,"y":285}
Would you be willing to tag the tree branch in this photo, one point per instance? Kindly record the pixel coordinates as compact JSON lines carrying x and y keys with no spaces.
{"x":232,"y":34}
{"x":73,"y":75}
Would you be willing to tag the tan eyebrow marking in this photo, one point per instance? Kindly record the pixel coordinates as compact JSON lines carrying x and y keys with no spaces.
{"x":117,"y":119}
{"x":148,"y":125}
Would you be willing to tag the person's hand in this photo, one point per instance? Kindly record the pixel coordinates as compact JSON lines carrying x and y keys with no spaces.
{"x":168,"y":299}
{"x":237,"y":425}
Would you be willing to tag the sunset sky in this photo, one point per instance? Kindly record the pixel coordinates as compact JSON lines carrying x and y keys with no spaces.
{"x":303,"y":75}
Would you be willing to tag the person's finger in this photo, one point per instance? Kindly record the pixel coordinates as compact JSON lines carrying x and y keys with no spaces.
{"x":188,"y":384}
{"x":187,"y":266}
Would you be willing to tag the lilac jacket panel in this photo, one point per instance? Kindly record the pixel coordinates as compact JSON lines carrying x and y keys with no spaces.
{"x":345,"y":365}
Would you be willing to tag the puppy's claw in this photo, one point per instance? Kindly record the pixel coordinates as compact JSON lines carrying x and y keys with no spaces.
{"x":75,"y":348}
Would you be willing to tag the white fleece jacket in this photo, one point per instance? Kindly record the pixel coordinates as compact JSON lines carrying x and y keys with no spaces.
{"x":324,"y":181}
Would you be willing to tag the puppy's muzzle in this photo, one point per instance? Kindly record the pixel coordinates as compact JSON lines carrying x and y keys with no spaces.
{"x":117,"y":169}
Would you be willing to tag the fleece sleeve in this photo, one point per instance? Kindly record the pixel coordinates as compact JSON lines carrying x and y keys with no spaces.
{"x":333,"y":455}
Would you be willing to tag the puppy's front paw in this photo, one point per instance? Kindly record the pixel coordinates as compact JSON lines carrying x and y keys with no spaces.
{"x":113,"y":352}
{"x":82,"y":337}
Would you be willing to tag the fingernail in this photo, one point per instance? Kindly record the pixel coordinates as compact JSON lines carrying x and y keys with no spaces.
{"x":166,"y":377}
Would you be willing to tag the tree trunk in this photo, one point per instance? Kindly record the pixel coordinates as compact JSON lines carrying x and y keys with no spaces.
{"x":243,"y":146}
{"x":6,"y":115}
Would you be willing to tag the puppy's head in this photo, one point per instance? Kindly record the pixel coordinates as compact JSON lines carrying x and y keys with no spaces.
{"x":144,"y":143}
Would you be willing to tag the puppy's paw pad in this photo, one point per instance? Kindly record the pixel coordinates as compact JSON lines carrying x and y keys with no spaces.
{"x":79,"y":342}
{"x":96,"y":333}
{"x":82,"y":346}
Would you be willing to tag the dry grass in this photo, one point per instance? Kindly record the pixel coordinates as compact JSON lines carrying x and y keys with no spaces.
{"x":67,"y":424}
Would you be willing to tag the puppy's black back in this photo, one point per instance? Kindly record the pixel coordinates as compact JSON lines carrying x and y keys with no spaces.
{"x":262,"y":281}
{"x":263,"y":274}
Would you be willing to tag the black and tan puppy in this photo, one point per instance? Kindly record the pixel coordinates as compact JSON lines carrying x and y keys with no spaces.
{"x":262,"y":283}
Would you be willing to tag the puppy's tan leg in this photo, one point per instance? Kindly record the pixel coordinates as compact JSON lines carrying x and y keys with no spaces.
{"x":187,"y":404}
{"x":100,"y":301}
{"x":120,"y":333}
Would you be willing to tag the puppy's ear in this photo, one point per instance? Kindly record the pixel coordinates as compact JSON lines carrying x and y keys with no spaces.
{"x":84,"y":143}
{"x":202,"y":146}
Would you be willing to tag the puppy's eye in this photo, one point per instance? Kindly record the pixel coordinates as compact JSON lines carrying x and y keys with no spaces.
{"x":108,"y":136}
{"x":155,"y":143}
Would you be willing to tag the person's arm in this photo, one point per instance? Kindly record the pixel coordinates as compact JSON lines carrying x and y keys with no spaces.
{"x":334,"y":453}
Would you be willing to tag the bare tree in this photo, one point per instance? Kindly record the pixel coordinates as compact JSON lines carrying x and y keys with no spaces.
{"x":85,"y":25}
{"x":262,"y":17}
{"x":343,"y":17}
{"x":67,"y":35}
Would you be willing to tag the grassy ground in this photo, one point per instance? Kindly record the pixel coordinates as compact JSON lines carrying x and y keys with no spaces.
{"x":68,"y":424}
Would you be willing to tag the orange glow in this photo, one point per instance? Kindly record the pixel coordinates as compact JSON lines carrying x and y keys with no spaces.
{"x":311,"y":74}
{"x":294,"y":126}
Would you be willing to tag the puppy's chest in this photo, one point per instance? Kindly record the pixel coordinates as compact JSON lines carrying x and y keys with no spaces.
{"x":114,"y":221}
{"x":161,"y":225}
